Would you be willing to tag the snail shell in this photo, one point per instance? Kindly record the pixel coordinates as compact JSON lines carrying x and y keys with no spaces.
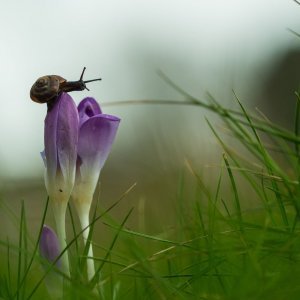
{"x":46,"y":88}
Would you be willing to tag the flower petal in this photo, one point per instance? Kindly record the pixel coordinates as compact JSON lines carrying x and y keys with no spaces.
{"x":96,"y":137}
{"x":50,"y":144}
{"x":49,"y":245}
{"x":88,"y":108}
{"x":67,"y":137}
{"x":61,"y":138}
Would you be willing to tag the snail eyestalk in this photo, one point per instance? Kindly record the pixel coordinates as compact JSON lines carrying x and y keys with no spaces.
{"x":80,"y":85}
{"x":81,"y":76}
{"x":87,"y":81}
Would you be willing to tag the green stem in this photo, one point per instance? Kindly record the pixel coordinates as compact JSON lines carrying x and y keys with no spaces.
{"x":59,"y":211}
{"x":83,"y":209}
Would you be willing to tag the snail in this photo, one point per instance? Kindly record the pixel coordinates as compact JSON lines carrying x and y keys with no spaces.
{"x":47,"y":88}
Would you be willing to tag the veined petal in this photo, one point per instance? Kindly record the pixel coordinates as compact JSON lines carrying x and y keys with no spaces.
{"x":61,"y":138}
{"x":49,"y":245}
{"x":88,"y":108}
{"x":50,"y":152}
{"x":67,"y":137}
{"x":96,"y":136}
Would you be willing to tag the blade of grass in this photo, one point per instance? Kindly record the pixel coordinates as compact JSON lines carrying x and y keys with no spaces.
{"x":8,"y":266}
{"x":25,"y":252}
{"x":226,"y":208}
{"x":235,"y":192}
{"x":297,"y":121}
{"x":150,"y":237}
{"x":95,"y":279}
{"x":267,"y":201}
{"x":34,"y":251}
{"x":20,"y":245}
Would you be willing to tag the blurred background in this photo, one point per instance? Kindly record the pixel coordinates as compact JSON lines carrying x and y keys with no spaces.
{"x":202,"y":45}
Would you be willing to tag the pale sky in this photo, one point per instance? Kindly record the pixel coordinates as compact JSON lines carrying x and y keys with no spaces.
{"x":197,"y":42}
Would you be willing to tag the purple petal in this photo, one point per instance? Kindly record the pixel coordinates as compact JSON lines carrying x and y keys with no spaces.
{"x":88,"y":108}
{"x":67,"y":136}
{"x":96,"y":137}
{"x":61,"y":137}
{"x":49,"y":245}
{"x":50,"y":151}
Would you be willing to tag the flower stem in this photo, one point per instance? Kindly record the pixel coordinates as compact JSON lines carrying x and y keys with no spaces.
{"x":83,"y":214}
{"x":59,"y":211}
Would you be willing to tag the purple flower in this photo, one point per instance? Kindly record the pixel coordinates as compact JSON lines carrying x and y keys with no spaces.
{"x":49,"y":245}
{"x":60,"y":155}
{"x":61,"y":138}
{"x":96,"y":135}
{"x":97,"y":132}
{"x":50,"y":250}
{"x":88,"y":108}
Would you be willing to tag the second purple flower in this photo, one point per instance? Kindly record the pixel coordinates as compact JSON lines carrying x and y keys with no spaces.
{"x":97,"y":133}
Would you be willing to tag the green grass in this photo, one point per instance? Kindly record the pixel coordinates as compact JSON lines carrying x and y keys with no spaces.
{"x":221,"y":247}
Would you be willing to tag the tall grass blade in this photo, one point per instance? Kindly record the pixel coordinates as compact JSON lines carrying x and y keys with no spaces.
{"x":96,"y":277}
{"x":20,"y":245}
{"x":235,"y":193}
{"x":21,"y":283}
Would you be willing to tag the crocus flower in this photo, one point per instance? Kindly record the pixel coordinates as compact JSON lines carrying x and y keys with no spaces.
{"x":97,"y":132}
{"x":49,"y":245}
{"x":49,"y":251}
{"x":60,"y":155}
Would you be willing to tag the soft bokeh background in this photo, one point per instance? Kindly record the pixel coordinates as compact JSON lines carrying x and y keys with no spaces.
{"x":203,"y":45}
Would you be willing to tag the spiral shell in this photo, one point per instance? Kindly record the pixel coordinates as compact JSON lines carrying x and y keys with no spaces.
{"x":46,"y":88}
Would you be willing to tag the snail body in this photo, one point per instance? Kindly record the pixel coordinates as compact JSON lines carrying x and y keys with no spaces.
{"x":47,"y":88}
